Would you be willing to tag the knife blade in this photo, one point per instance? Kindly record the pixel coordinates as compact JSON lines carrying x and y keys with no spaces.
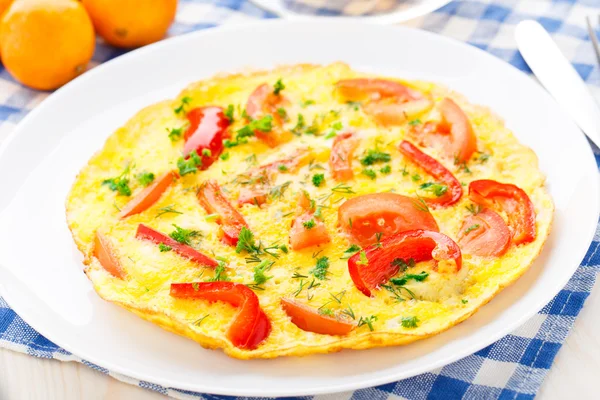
{"x":559,"y":77}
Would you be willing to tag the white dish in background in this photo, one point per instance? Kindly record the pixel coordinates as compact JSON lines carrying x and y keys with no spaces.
{"x":405,"y":11}
{"x":41,"y":272}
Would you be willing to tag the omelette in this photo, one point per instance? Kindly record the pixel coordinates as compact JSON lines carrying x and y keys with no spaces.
{"x":308,"y":209}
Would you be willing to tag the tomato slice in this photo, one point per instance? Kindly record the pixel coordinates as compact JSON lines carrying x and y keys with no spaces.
{"x":367,"y":216}
{"x":484,"y":234}
{"x":394,"y":112}
{"x":146,"y":233}
{"x":107,"y":258}
{"x":454,"y":134}
{"x":211,"y":198}
{"x":252,"y":195}
{"x":149,"y":195}
{"x":206,"y":132}
{"x":367,"y":88}
{"x":510,"y":199}
{"x":250,"y":326}
{"x":310,"y":320}
{"x":340,"y":159}
{"x":307,"y":230}
{"x":438,"y":171}
{"x":261,"y":102}
{"x":420,"y":245}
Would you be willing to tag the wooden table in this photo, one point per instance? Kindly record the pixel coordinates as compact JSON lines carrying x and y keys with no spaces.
{"x":574,"y":375}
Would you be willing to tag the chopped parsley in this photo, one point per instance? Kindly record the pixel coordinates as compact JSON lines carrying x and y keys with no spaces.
{"x":473,"y":208}
{"x":183,"y":236}
{"x":189,"y":165}
{"x":414,"y":122}
{"x":363,"y":259}
{"x":386,"y":170}
{"x":307,"y":103}
{"x":415,"y":177}
{"x":145,"y":178}
{"x":297,"y":130}
{"x":264,"y":124}
{"x":318,"y":179}
{"x":246,"y":241}
{"x":464,"y":301}
{"x":410,"y":322}
{"x":206,"y":153}
{"x":284,"y":248}
{"x":120,"y":184}
{"x":229,"y":112}
{"x":309,"y":224}
{"x":438,"y":189}
{"x":368,"y":321}
{"x":278,"y":87}
{"x":224,"y":156}
{"x":354,"y":104}
{"x":471,"y":228}
{"x":282,"y":168}
{"x":175,"y":133}
{"x":259,"y":272}
{"x":163,"y":247}
{"x":282,"y":113}
{"x":185,"y":101}
{"x":483,"y":157}
{"x":220,"y":274}
{"x":369,"y":172}
{"x":321,"y":268}
{"x":337,"y":126}
{"x":403,"y":280}
{"x":350,"y":251}
{"x":375,"y":156}
{"x":403,"y":265}
{"x":326,"y":311}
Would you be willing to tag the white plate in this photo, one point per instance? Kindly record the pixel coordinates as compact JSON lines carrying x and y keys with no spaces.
{"x":41,"y":275}
{"x":406,"y":10}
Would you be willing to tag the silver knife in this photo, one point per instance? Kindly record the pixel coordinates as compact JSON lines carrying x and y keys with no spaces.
{"x":559,"y":77}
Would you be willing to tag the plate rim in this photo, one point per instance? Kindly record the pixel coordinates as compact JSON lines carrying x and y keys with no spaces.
{"x":393,"y":17}
{"x":364,"y":383}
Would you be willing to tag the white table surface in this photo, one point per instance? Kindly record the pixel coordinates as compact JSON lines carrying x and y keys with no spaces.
{"x":574,"y":375}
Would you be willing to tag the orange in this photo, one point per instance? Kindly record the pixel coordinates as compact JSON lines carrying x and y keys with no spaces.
{"x":46,"y":43}
{"x":131,"y":23}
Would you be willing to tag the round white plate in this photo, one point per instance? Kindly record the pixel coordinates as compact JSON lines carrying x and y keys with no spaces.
{"x":408,"y":9}
{"x":41,"y":272}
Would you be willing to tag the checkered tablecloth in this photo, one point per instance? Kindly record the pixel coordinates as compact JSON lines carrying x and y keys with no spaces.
{"x":512,"y":368}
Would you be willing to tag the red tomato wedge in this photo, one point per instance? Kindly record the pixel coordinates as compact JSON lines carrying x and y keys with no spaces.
{"x":211,"y":198}
{"x":105,"y":255}
{"x":438,"y":171}
{"x":394,"y":112}
{"x":374,"y":89}
{"x":146,"y":233}
{"x":250,"y":326}
{"x":419,"y":245}
{"x":510,"y":199}
{"x":484,"y":234}
{"x":149,"y":195}
{"x":340,"y":159}
{"x":454,"y":134}
{"x":307,"y":230}
{"x":208,"y":126}
{"x":364,"y":217}
{"x":261,"y":102}
{"x":252,"y":195}
{"x":310,"y":320}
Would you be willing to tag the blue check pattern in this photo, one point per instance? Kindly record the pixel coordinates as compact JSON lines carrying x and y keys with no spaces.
{"x":512,"y":368}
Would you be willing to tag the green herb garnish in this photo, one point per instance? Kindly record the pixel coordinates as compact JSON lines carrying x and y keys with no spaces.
{"x":375,"y":156}
{"x":318,"y":179}
{"x":189,"y":165}
{"x":183,"y":235}
{"x":145,"y":178}
{"x":321,"y":268}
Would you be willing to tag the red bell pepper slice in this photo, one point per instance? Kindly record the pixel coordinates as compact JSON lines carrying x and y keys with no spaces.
{"x":340,"y":159}
{"x":211,"y":198}
{"x":510,"y":199}
{"x":310,"y":320}
{"x":250,"y":326}
{"x":207,"y":129}
{"x":149,"y":195}
{"x":146,"y":233}
{"x":484,"y":234}
{"x":438,"y":171}
{"x":418,"y":245}
{"x":368,"y":216}
{"x":104,"y":253}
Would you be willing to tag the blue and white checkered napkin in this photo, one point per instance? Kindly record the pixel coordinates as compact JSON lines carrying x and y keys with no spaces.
{"x":515,"y":366}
